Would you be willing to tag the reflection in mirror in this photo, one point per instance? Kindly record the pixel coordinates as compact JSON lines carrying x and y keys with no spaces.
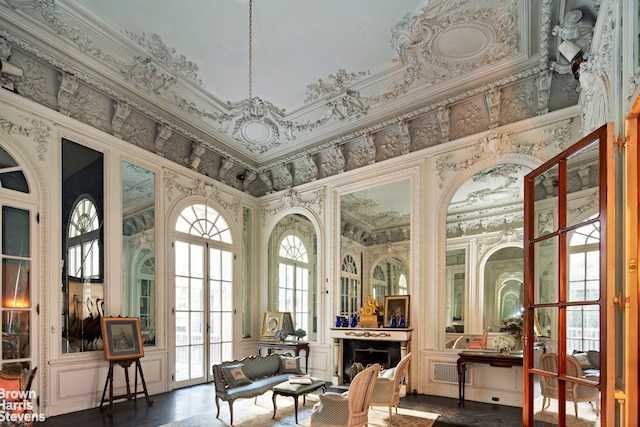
{"x":389,"y":277}
{"x":138,"y":248}
{"x":375,"y":243}
{"x":293,"y":269}
{"x":484,"y":213}
{"x":457,"y":284}
{"x":503,"y":278}
{"x":83,"y":239}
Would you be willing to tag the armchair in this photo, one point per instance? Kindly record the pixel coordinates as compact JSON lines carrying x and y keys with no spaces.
{"x":387,"y":390}
{"x":349,"y":409}
{"x":574,"y":392}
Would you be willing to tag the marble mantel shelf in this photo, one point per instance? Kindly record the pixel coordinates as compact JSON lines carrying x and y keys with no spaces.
{"x":379,"y":334}
{"x":399,"y":335}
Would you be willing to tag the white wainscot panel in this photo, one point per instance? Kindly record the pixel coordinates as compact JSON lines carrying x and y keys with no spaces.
{"x":76,"y":385}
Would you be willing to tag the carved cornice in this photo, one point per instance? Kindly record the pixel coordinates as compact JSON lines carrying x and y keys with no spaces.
{"x":313,"y":201}
{"x":199,"y":188}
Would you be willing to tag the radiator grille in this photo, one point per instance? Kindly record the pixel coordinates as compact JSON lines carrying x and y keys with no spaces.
{"x":448,"y":373}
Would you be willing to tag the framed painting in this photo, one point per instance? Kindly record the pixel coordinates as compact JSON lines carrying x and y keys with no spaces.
{"x":396,"y":310}
{"x":122,"y":338}
{"x":272,"y":322}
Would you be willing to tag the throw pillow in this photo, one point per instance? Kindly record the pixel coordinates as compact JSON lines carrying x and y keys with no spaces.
{"x":583,"y":360}
{"x":234,"y":375}
{"x":594,"y":358}
{"x":290,"y":365}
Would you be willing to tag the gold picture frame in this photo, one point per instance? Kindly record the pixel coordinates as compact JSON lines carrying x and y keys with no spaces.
{"x":122,"y":338}
{"x":273,"y":321}
{"x":396,"y":305}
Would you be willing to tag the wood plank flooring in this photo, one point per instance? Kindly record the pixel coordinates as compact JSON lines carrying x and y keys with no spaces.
{"x":186,"y":402}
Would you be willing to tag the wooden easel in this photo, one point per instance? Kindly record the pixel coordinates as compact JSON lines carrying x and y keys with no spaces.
{"x":128,"y":395}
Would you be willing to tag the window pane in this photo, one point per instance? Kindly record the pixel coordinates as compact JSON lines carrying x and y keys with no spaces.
{"x":15,"y":232}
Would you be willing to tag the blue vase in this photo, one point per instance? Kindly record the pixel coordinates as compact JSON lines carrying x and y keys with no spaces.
{"x":402,"y":323}
{"x":338,"y":321}
{"x":394,"y":322}
{"x":345,"y":322}
{"x":354,"y":320}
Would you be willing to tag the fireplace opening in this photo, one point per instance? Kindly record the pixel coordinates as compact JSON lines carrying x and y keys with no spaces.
{"x":358,"y":354}
{"x":365,"y":357}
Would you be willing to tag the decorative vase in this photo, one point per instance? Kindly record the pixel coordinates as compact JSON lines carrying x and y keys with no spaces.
{"x":354,"y":320}
{"x":402,"y":323}
{"x":394,"y":322}
{"x":345,"y":322}
{"x":338,"y":321}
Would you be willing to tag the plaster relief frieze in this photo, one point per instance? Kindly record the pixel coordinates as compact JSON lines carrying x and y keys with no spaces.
{"x":513,"y":99}
{"x":138,"y":130}
{"x":424,"y":132}
{"x":634,"y":85}
{"x":393,"y":142}
{"x":281,"y":177}
{"x":304,"y":170}
{"x":199,"y":187}
{"x":333,"y":85}
{"x":38,"y":83}
{"x":331,"y":162}
{"x":359,"y":152}
{"x":91,"y":107}
{"x":313,"y":201}
{"x":468,"y":118}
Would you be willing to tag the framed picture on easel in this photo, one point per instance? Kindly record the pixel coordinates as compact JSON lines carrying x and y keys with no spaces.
{"x":122,"y":338}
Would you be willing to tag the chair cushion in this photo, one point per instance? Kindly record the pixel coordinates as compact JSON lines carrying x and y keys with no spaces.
{"x":234,"y":375}
{"x":594,"y":358}
{"x":289,"y":365}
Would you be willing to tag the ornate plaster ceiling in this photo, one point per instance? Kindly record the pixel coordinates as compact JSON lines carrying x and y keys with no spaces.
{"x":336,"y":84}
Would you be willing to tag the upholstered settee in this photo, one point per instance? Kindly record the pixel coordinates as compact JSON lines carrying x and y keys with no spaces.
{"x":251,"y":377}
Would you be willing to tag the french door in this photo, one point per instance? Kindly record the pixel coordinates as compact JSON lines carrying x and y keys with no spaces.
{"x":203,"y":311}
{"x":569,"y":230}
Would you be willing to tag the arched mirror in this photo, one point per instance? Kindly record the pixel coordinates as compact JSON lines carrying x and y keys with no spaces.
{"x":375,"y":243}
{"x":138,"y":248}
{"x":503,"y":291}
{"x":293,"y":265}
{"x":483,"y":283}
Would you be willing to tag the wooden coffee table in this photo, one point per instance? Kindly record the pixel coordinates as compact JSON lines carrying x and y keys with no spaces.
{"x":297,"y":390}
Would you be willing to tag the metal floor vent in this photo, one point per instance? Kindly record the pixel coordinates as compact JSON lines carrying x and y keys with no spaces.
{"x":448,"y":373}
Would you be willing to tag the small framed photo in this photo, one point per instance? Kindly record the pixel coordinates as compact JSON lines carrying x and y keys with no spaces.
{"x":396,"y":306}
{"x":122,"y":338}
{"x":272,"y":322}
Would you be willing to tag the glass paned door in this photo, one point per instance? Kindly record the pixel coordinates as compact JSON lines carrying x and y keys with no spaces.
{"x":204,"y":312}
{"x":566,"y":221}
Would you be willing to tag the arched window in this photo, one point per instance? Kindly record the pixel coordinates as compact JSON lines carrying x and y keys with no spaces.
{"x":84,"y":233}
{"x":204,"y":308}
{"x":293,"y":280}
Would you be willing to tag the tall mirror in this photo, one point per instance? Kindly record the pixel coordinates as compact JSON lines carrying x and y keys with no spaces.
{"x":83,"y":247}
{"x":138,"y":248}
{"x":293,"y":268}
{"x":484,"y":251}
{"x":375,"y":226}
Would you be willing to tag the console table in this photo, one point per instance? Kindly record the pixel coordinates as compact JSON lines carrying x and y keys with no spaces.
{"x":487,"y":357}
{"x":294,"y":346}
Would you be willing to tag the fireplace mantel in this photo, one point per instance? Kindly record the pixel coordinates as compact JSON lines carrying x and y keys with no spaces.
{"x":402,"y":336}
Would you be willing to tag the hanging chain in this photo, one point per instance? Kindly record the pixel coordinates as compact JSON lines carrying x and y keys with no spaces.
{"x":250,"y":52}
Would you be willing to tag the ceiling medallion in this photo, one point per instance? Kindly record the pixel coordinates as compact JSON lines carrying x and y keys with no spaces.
{"x":463,"y":41}
{"x":256,"y":132}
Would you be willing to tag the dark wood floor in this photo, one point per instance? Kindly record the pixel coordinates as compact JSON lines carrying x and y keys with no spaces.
{"x":186,"y":402}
